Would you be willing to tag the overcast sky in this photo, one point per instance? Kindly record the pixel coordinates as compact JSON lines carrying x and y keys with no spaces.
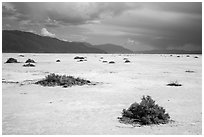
{"x":137,"y":26}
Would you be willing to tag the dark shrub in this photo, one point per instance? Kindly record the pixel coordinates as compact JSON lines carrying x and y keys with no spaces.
{"x":29,"y":65}
{"x":171,"y":55}
{"x":190,"y":71}
{"x":174,"y":84}
{"x":127,"y":61}
{"x":58,"y":60}
{"x":195,"y":57}
{"x":21,"y":55}
{"x":178,"y":56}
{"x":62,"y":80}
{"x":30,"y":61}
{"x":12,"y":60}
{"x":81,"y":60}
{"x":79,"y":57}
{"x":111,"y":62}
{"x":187,"y":56}
{"x":105,"y":61}
{"x":144,"y":113}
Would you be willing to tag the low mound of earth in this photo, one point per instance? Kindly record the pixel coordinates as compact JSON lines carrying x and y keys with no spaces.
{"x":11,"y":60}
{"x":30,"y":61}
{"x":28,"y":65}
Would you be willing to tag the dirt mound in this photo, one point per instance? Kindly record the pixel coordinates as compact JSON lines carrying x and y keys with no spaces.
{"x":11,"y":60}
{"x":30,"y":61}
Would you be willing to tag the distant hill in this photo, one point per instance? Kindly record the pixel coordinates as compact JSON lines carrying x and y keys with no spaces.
{"x":14,"y":41}
{"x":111,"y":48}
{"x":168,"y":52}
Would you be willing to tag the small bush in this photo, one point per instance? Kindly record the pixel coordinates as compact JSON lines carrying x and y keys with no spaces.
{"x":189,"y":71}
{"x":21,"y":56}
{"x":127,"y":61}
{"x":174,"y":84}
{"x":111,"y":62}
{"x":81,"y":60}
{"x":105,"y":61}
{"x":195,"y":57}
{"x":79,"y":57}
{"x":187,"y":56}
{"x":62,"y":80}
{"x":144,"y":113}
{"x":58,"y":60}
{"x":11,"y":60}
{"x":30,"y":61}
{"x":29,"y":65}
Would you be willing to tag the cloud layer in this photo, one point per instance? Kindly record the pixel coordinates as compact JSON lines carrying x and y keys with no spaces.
{"x":138,"y":26}
{"x":45,"y":32}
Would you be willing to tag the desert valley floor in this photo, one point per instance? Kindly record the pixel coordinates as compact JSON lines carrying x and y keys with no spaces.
{"x":28,"y":108}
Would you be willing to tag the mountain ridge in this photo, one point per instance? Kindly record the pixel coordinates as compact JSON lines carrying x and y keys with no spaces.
{"x":17,"y":42}
{"x":168,"y":52}
{"x":112,"y":48}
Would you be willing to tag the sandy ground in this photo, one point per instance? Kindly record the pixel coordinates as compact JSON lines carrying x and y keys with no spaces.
{"x":33,"y":109}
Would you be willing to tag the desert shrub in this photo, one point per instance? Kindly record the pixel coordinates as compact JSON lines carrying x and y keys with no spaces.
{"x":105,"y":61}
{"x":58,"y":60}
{"x":30,"y":61}
{"x":195,"y":57}
{"x":178,"y":56}
{"x":21,"y":55}
{"x":81,"y":60}
{"x":175,"y":83}
{"x":62,"y":80}
{"x":190,"y":71}
{"x":127,"y":61}
{"x":12,"y":60}
{"x":79,"y":57}
{"x":187,"y":56}
{"x":111,"y":62}
{"x":144,"y":113}
{"x":29,"y":65}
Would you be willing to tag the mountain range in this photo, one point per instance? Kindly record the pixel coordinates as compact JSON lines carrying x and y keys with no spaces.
{"x":15,"y":41}
{"x":26,"y":42}
{"x":169,"y":52}
{"x":111,"y":48}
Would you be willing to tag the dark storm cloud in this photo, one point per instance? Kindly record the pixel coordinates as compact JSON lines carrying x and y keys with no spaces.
{"x":157,"y":25}
{"x":76,"y":14}
{"x":69,"y":13}
{"x":11,"y":13}
{"x":6,"y":12}
{"x":183,"y":7}
{"x":174,"y":27}
{"x":112,"y":9}
{"x":52,"y":25}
